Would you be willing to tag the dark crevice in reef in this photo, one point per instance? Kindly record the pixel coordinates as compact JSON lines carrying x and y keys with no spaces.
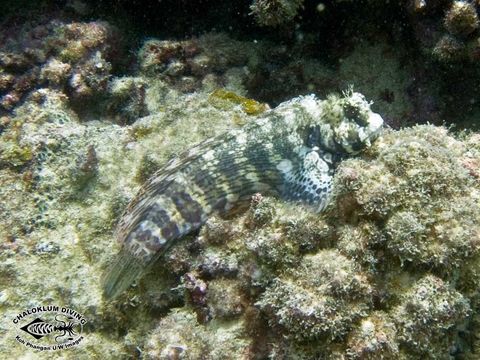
{"x":184,"y":19}
{"x":327,"y":35}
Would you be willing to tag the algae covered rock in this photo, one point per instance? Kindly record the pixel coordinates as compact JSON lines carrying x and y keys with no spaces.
{"x":394,"y":253}
{"x":322,"y":299}
{"x":76,"y":58}
{"x":422,"y":191}
{"x":356,"y":288}
{"x":429,"y":316}
{"x":179,"y":336}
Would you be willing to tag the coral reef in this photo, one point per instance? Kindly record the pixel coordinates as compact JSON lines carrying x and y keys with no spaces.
{"x":429,"y":315}
{"x":394,"y":254}
{"x":438,"y":72}
{"x":309,"y":286}
{"x":73,"y":57}
{"x":461,"y":18}
{"x":209,"y":61}
{"x":322,"y":300}
{"x":410,"y":231}
{"x":342,"y":279}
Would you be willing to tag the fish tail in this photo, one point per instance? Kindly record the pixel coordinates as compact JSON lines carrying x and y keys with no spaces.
{"x":122,"y":273}
{"x":155,"y":226}
{"x":179,"y":198}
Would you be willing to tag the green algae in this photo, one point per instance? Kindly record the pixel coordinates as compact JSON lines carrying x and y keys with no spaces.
{"x":12,"y":154}
{"x":224,"y":99}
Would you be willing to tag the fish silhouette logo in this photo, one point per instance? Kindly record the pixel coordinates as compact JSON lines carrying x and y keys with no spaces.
{"x":39,"y":328}
{"x":55,"y":329}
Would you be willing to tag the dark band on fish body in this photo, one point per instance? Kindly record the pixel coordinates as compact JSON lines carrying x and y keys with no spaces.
{"x":189,"y":209}
{"x":261,"y":160}
{"x":204,"y":180}
{"x":158,"y":215}
{"x":228,"y":167}
{"x":171,"y":231}
{"x":185,"y":202}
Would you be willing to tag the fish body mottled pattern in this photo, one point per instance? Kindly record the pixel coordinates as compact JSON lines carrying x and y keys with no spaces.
{"x":271,"y":156}
{"x":214,"y":181}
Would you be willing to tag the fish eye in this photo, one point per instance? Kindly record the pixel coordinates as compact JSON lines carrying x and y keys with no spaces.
{"x":357,"y":146}
{"x":313,"y":138}
{"x":354,"y":113}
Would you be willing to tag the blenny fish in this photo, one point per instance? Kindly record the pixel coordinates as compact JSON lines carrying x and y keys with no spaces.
{"x":290,"y":152}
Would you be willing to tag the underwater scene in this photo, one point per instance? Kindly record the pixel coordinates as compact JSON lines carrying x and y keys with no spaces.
{"x":250,"y":179}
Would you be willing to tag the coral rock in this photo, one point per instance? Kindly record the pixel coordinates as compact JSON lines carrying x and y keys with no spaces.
{"x":322,"y":300}
{"x":429,"y":314}
{"x":461,"y":18}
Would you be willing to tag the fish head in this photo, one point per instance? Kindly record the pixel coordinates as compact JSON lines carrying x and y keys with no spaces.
{"x":347,"y":125}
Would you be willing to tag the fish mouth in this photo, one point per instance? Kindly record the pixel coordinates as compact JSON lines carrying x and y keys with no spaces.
{"x":359,"y":137}
{"x":375,"y":125}
{"x":370,"y":132}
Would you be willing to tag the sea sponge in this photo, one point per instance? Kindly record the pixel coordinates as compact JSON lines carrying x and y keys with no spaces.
{"x":461,"y":19}
{"x":275,"y":12}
